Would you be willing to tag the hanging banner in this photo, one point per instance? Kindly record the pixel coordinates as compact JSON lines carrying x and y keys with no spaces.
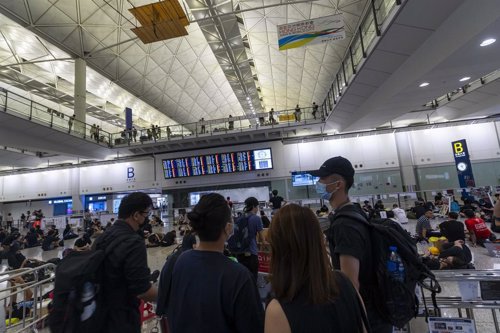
{"x":462,"y":162}
{"x":313,"y":31}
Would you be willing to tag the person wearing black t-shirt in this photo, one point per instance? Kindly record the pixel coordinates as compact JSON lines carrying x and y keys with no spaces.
{"x":452,"y":229}
{"x":208,"y":291}
{"x":350,"y":241}
{"x":276,"y":201}
{"x":265,"y":219}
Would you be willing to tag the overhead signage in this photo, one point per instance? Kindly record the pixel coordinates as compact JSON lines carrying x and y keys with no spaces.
{"x":99,"y":198}
{"x":221,"y":163}
{"x":462,"y":163}
{"x":60,"y":201}
{"x":309,"y":32}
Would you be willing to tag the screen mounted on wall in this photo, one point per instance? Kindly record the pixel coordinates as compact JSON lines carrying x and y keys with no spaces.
{"x":222,"y":163}
{"x":303,"y":179}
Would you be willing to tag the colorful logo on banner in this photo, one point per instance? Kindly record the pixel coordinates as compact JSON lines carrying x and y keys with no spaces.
{"x":462,"y":162}
{"x":314,"y":31}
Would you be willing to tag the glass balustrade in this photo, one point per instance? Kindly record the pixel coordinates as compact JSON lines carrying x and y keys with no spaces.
{"x":19,"y":105}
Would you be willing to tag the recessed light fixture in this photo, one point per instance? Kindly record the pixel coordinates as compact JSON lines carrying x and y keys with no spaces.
{"x":423,"y":84}
{"x":487,"y":42}
{"x":466,"y":78}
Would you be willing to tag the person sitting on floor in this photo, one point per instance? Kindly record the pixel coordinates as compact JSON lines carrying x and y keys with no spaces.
{"x":454,"y":255}
{"x":169,"y":238}
{"x":452,"y":229}
{"x":68,"y":232}
{"x":56,"y":232}
{"x":50,"y":241}
{"x":16,"y":259}
{"x":154,"y":239}
{"x":39,"y":231}
{"x":479,"y":232}
{"x":31,"y":239}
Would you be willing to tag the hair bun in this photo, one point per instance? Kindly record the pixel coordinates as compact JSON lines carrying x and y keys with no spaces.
{"x":194,"y":217}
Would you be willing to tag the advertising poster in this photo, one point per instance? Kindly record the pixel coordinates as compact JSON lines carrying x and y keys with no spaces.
{"x":313,"y":31}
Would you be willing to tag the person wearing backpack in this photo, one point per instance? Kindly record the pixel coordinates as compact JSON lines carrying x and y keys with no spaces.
{"x":243,"y":244}
{"x":202,"y":290}
{"x":349,"y":239}
{"x":126,"y":274}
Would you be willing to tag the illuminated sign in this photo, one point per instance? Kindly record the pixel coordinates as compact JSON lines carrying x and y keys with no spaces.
{"x":462,"y":163}
{"x":221,"y":163}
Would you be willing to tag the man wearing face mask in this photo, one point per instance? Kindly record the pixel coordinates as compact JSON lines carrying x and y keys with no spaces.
{"x":126,"y":272}
{"x":349,"y":239}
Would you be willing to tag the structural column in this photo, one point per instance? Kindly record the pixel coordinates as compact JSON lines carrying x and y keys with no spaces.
{"x":406,"y":164}
{"x":80,"y":94}
{"x":75,"y":190}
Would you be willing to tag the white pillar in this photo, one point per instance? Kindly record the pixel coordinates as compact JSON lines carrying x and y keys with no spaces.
{"x":406,"y":164}
{"x":80,"y":89}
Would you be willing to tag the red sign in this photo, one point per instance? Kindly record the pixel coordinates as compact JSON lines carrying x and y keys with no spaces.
{"x":264,"y":261}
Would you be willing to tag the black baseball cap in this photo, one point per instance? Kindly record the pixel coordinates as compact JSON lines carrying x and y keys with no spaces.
{"x":335,"y":165}
{"x":250,"y":203}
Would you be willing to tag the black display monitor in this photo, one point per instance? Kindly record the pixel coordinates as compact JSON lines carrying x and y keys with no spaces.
{"x":302,"y":178}
{"x":220,"y":163}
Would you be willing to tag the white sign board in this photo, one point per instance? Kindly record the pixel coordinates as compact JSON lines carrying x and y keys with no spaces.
{"x":451,"y":325}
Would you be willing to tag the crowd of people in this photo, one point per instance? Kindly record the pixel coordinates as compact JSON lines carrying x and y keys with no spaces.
{"x":320,"y":280}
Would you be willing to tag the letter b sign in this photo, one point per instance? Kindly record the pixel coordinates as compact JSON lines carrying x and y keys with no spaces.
{"x":130,"y":173}
{"x":458,"y":147}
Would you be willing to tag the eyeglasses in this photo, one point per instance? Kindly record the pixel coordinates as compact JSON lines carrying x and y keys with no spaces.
{"x":148,"y":213}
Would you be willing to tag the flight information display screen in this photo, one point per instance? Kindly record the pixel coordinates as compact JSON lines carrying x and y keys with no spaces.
{"x":214,"y":164}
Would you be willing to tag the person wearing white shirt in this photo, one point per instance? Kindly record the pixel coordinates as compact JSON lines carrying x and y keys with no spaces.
{"x":399,"y":214}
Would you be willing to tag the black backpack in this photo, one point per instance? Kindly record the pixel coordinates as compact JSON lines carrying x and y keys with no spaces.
{"x":239,"y":242}
{"x":79,"y":304}
{"x":395,"y":300}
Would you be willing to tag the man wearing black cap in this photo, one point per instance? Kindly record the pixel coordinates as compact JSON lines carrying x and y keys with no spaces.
{"x":249,"y":257}
{"x":349,"y":240}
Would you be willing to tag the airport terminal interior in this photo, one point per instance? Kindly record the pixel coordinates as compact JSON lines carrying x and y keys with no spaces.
{"x":182,"y":98}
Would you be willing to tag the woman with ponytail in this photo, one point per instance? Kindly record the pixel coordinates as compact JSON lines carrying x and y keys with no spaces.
{"x":208,"y":291}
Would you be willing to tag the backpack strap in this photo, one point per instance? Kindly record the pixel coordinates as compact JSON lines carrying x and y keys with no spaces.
{"x":352,"y":215}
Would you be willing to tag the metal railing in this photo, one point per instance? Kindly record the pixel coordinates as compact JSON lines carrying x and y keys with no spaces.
{"x":264,"y":120}
{"x":467,"y":306}
{"x":18,"y":105}
{"x":371,"y":27}
{"x":34,"y":281}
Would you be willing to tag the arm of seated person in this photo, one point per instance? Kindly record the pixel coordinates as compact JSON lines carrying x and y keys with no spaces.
{"x":150,"y":295}
{"x":349,"y":265}
{"x":276,"y":321}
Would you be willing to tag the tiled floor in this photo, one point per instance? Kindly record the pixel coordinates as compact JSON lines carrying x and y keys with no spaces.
{"x":157,"y":256}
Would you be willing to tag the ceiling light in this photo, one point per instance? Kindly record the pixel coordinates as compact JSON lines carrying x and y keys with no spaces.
{"x":466,"y":78}
{"x":424,"y":84}
{"x":487,"y":42}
